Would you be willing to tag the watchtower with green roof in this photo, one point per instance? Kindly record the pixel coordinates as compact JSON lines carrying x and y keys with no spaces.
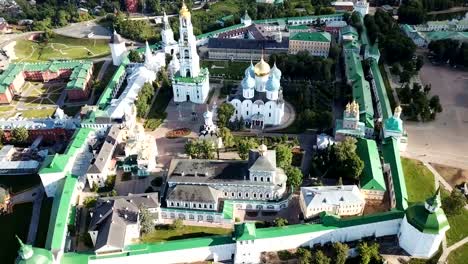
{"x":245,"y":235}
{"x":426,"y":223}
{"x":30,"y":255}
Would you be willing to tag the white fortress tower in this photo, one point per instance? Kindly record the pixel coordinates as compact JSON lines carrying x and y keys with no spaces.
{"x":246,"y":20}
{"x":169,"y":45}
{"x":118,"y":49}
{"x":190,"y":83}
{"x":423,"y":227}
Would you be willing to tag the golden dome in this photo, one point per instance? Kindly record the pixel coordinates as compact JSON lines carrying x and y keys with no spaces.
{"x":262,"y":68}
{"x":184,"y":12}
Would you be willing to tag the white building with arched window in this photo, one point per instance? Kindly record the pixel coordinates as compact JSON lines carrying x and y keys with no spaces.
{"x":189,"y":81}
{"x":260,"y":101}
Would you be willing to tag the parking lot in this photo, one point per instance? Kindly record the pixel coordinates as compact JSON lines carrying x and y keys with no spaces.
{"x":443,"y":141}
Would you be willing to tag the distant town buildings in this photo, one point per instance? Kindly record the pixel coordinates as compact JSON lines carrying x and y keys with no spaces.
{"x":338,"y":200}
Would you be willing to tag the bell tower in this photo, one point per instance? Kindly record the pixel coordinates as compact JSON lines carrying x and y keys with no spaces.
{"x":189,"y":60}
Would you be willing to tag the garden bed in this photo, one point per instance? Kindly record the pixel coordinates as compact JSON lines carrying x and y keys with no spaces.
{"x":178,"y":133}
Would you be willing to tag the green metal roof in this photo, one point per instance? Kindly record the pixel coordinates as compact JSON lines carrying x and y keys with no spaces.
{"x":106,"y":95}
{"x":394,"y":124}
{"x":381,"y":90}
{"x":426,"y":221}
{"x":391,"y":154}
{"x":228,"y":210}
{"x":298,"y":27}
{"x":312,"y":36}
{"x":245,"y":231}
{"x":372,"y":176}
{"x":199,"y":79}
{"x":438,"y":35}
{"x":338,"y":222}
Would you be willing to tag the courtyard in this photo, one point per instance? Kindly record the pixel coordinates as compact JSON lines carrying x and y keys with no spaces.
{"x":443,"y":140}
{"x":37,"y":100}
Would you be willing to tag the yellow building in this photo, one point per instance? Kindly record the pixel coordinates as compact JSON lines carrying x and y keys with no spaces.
{"x":316,"y":43}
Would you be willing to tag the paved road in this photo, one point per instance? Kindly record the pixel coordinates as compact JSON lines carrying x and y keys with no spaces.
{"x":443,"y":141}
{"x":446,"y":253}
{"x":83,"y":29}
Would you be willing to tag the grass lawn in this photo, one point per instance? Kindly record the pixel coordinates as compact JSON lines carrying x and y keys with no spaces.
{"x":38,"y":113}
{"x":163,"y":233}
{"x":43,"y":227}
{"x":16,"y":223}
{"x":459,"y":256}
{"x":419,"y":180}
{"x":60,"y":47}
{"x":229,"y":69}
{"x":157,"y":112}
{"x":106,"y":77}
{"x":458,"y":225}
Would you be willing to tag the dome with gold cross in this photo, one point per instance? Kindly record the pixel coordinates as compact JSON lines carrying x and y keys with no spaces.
{"x":262,"y":68}
{"x":184,"y":12}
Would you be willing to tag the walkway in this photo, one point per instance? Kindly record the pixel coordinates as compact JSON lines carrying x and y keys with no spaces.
{"x":447,"y":251}
{"x":36,"y":214}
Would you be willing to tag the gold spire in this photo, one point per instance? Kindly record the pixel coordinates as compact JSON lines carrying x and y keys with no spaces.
{"x":348,"y":108}
{"x":184,"y":12}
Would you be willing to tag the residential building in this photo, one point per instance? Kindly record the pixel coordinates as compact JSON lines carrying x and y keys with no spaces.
{"x":334,"y":27}
{"x":342,"y":200}
{"x":189,"y":81}
{"x":115,"y":221}
{"x":102,"y":164}
{"x":343,"y":6}
{"x":316,"y":43}
{"x":362,"y":7}
{"x":260,"y":102}
{"x":245,"y":49}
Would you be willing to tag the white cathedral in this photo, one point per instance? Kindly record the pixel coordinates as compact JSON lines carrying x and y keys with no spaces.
{"x":189,"y":81}
{"x":261,"y":102}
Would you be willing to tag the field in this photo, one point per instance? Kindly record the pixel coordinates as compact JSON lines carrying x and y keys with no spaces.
{"x":60,"y":47}
{"x":16,"y":223}
{"x":419,"y":180}
{"x":164,"y":233}
{"x":458,"y":225}
{"x":459,"y":256}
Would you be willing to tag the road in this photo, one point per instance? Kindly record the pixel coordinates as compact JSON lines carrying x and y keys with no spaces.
{"x":443,"y":141}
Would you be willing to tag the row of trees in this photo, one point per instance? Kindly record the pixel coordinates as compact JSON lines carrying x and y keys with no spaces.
{"x":304,"y":66}
{"x":454,"y":204}
{"x":415,"y":11}
{"x":450,"y":51}
{"x":416,"y":102}
{"x":139,"y":30}
{"x":339,"y":254}
{"x":394,"y":45}
{"x":145,"y":96}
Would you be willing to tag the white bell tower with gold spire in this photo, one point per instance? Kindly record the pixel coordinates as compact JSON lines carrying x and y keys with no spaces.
{"x":190,"y":82}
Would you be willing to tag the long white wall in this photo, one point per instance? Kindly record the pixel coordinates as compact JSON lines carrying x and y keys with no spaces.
{"x":216,"y":253}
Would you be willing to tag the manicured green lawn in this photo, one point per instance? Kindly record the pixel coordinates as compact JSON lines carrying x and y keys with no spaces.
{"x":38,"y":113}
{"x":419,"y":180}
{"x":16,"y":223}
{"x":458,"y":225}
{"x":459,"y":256}
{"x":60,"y":47}
{"x":229,"y":69}
{"x":163,"y":233}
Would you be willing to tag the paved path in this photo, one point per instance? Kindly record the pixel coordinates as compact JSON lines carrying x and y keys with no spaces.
{"x":25,"y":196}
{"x":289,"y":115}
{"x":446,"y":253}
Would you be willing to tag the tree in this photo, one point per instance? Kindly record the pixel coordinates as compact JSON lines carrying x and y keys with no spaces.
{"x":341,"y":252}
{"x":320,"y":258}
{"x":283,"y":156}
{"x":346,"y":161}
{"x":226,"y":135}
{"x":281,"y":221}
{"x":177,"y":224}
{"x":146,"y":220}
{"x":244,"y":146}
{"x":191,"y":149}
{"x":225,"y":111}
{"x":434,"y":104}
{"x":19,"y":135}
{"x":368,"y":252}
{"x":90,"y":202}
{"x":294,"y":175}
{"x":411,"y":12}
{"x":454,"y":204}
{"x":305,"y":256}
{"x":134,"y":56}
